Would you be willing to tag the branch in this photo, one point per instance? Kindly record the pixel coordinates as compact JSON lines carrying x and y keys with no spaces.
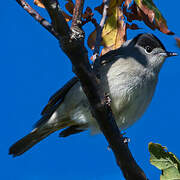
{"x":37,"y":17}
{"x":74,"y":48}
{"x":58,"y":20}
{"x":72,"y":43}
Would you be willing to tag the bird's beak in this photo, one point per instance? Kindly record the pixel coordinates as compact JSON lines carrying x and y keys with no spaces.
{"x":169,"y":54}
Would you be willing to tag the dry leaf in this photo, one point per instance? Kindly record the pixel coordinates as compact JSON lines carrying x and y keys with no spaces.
{"x":88,"y":13}
{"x":99,"y":8}
{"x":127,"y":3}
{"x":153,"y":18}
{"x":67,"y":17}
{"x":70,"y":6}
{"x":114,"y":31}
{"x":112,"y":5}
{"x":91,"y":40}
{"x":39,"y":3}
{"x":132,"y":26}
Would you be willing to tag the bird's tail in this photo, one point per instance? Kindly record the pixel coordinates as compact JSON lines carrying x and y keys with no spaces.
{"x":29,"y":140}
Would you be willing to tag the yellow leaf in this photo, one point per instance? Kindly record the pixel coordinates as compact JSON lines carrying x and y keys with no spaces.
{"x":114,"y":31}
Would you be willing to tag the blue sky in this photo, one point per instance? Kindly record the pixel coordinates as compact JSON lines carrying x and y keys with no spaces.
{"x":32,"y":68}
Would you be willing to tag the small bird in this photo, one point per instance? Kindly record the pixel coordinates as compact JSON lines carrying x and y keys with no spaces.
{"x":129,"y":76}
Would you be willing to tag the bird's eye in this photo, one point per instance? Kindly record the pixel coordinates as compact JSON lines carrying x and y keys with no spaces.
{"x":148,"y":49}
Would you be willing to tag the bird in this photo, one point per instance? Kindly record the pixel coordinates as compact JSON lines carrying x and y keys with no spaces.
{"x":128,"y":75}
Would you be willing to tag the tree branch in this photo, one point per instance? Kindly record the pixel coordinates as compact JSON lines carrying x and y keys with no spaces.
{"x":72,"y":43}
{"x":58,"y":21}
{"x":37,"y":17}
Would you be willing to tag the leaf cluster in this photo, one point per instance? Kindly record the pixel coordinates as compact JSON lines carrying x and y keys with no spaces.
{"x":122,"y":15}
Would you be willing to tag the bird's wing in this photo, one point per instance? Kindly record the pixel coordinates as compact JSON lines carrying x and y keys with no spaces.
{"x":55,"y":101}
{"x":59,"y":95}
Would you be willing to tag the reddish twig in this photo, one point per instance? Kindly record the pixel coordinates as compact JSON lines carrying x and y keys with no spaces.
{"x":37,"y":17}
{"x":77,"y":14}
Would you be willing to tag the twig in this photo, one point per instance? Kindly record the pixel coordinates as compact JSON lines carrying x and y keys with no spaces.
{"x":37,"y":17}
{"x":77,"y":13}
{"x":99,"y":29}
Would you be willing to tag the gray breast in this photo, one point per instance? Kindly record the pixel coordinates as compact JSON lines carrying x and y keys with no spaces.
{"x":131,"y":89}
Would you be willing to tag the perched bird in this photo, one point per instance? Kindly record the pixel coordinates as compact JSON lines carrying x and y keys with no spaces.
{"x":128,"y":74}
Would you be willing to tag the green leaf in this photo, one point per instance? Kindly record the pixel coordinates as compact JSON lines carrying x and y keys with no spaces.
{"x":165,"y":161}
